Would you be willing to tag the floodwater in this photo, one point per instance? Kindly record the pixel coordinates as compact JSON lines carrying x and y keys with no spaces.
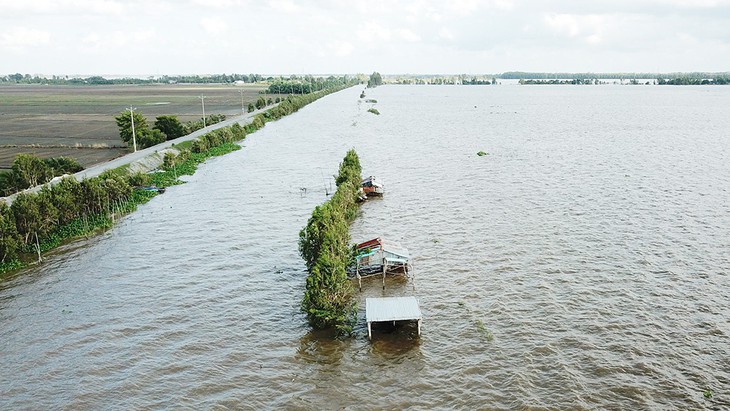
{"x":582,"y":264}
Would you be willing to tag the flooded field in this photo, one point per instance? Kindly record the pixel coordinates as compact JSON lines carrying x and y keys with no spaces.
{"x":581,"y":264}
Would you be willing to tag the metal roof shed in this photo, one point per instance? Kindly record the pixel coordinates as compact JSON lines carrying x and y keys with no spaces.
{"x":392,"y":309}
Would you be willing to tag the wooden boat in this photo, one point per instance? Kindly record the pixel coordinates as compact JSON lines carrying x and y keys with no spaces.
{"x":379,"y":257}
{"x":371,"y":187}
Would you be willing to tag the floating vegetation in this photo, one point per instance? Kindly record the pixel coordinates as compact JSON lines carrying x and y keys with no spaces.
{"x":478,"y":324}
{"x":371,"y":100}
{"x":483,"y":331}
{"x":707,"y":393}
{"x":374,"y":111}
{"x":482,"y":153}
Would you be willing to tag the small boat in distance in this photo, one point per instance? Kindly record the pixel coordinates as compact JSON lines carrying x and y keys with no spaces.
{"x":371,"y":187}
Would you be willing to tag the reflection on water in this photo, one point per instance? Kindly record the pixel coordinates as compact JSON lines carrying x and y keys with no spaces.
{"x":582,"y":264}
{"x":321,"y":347}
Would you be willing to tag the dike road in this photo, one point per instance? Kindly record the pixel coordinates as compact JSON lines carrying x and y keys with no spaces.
{"x":130,"y":158}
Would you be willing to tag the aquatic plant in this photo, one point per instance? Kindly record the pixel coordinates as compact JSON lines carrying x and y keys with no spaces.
{"x":481,"y":153}
{"x":483,"y":331}
{"x":374,"y":111}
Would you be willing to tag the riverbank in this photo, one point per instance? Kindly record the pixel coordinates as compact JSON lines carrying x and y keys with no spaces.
{"x":37,"y":222}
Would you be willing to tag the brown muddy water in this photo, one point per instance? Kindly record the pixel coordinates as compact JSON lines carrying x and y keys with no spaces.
{"x":582,"y":264}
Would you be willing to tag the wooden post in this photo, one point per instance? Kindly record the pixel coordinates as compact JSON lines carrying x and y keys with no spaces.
{"x":38,"y":248}
{"x":419,"y":328}
{"x":357,"y":273}
{"x":413,"y":279}
{"x":370,"y":332}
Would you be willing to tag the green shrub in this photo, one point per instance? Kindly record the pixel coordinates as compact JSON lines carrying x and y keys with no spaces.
{"x":324,"y":246}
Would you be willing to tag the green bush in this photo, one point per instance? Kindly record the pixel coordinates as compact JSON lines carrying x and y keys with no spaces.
{"x":324,"y":245}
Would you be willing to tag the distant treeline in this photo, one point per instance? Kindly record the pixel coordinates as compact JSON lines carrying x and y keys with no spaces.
{"x":687,"y":81}
{"x":613,"y":76}
{"x":18,"y":78}
{"x":681,"y":81}
{"x":306,"y":84}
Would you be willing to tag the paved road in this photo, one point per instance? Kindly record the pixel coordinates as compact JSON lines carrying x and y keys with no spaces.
{"x":95,"y":170}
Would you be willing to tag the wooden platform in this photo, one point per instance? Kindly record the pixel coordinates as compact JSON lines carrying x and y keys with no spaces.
{"x":392,"y":309}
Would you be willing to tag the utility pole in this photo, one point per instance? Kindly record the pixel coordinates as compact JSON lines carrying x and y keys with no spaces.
{"x":242,"y":111}
{"x":202,"y":101}
{"x":134,"y":137}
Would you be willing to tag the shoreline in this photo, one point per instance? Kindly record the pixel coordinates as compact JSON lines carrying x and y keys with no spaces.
{"x":118,"y":180}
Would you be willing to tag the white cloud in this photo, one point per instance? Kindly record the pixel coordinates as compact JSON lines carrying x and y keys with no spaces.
{"x":217,"y":4}
{"x":22,"y":37}
{"x":409,"y":35}
{"x":446,"y":34}
{"x":341,"y":48}
{"x":284,"y":6}
{"x":468,"y":7}
{"x":373,"y":32}
{"x":213,"y":25}
{"x":63,"y":6}
{"x":588,"y":28}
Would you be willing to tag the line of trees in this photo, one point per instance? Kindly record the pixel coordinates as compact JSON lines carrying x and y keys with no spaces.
{"x":306,"y":84}
{"x":19,"y":78}
{"x":166,"y":127}
{"x":688,"y":81}
{"x":324,"y":244}
{"x":612,"y":76}
{"x":29,"y":171}
{"x":375,"y":80}
{"x":37,"y":222}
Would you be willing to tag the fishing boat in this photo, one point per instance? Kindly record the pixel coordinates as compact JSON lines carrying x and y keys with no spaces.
{"x":379,"y":256}
{"x":371,"y":187}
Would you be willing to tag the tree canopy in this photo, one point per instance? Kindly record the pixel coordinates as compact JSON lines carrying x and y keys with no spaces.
{"x":375,"y":80}
{"x":170,"y":126}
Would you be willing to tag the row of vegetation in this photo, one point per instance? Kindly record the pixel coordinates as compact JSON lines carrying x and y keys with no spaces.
{"x":37,"y":222}
{"x":29,"y":171}
{"x":324,"y":244}
{"x":318,"y":82}
{"x":18,"y":78}
{"x":375,"y":80}
{"x":306,"y":84}
{"x":165,"y":127}
{"x":516,"y":75}
{"x":681,"y":81}
{"x":688,"y":81}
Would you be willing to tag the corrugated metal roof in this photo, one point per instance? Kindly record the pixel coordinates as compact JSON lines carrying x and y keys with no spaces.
{"x":392,"y":309}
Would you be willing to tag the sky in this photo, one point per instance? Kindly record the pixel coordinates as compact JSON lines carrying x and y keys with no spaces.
{"x":156,"y":37}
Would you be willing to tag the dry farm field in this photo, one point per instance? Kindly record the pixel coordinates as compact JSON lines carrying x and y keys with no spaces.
{"x":78,"y":121}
